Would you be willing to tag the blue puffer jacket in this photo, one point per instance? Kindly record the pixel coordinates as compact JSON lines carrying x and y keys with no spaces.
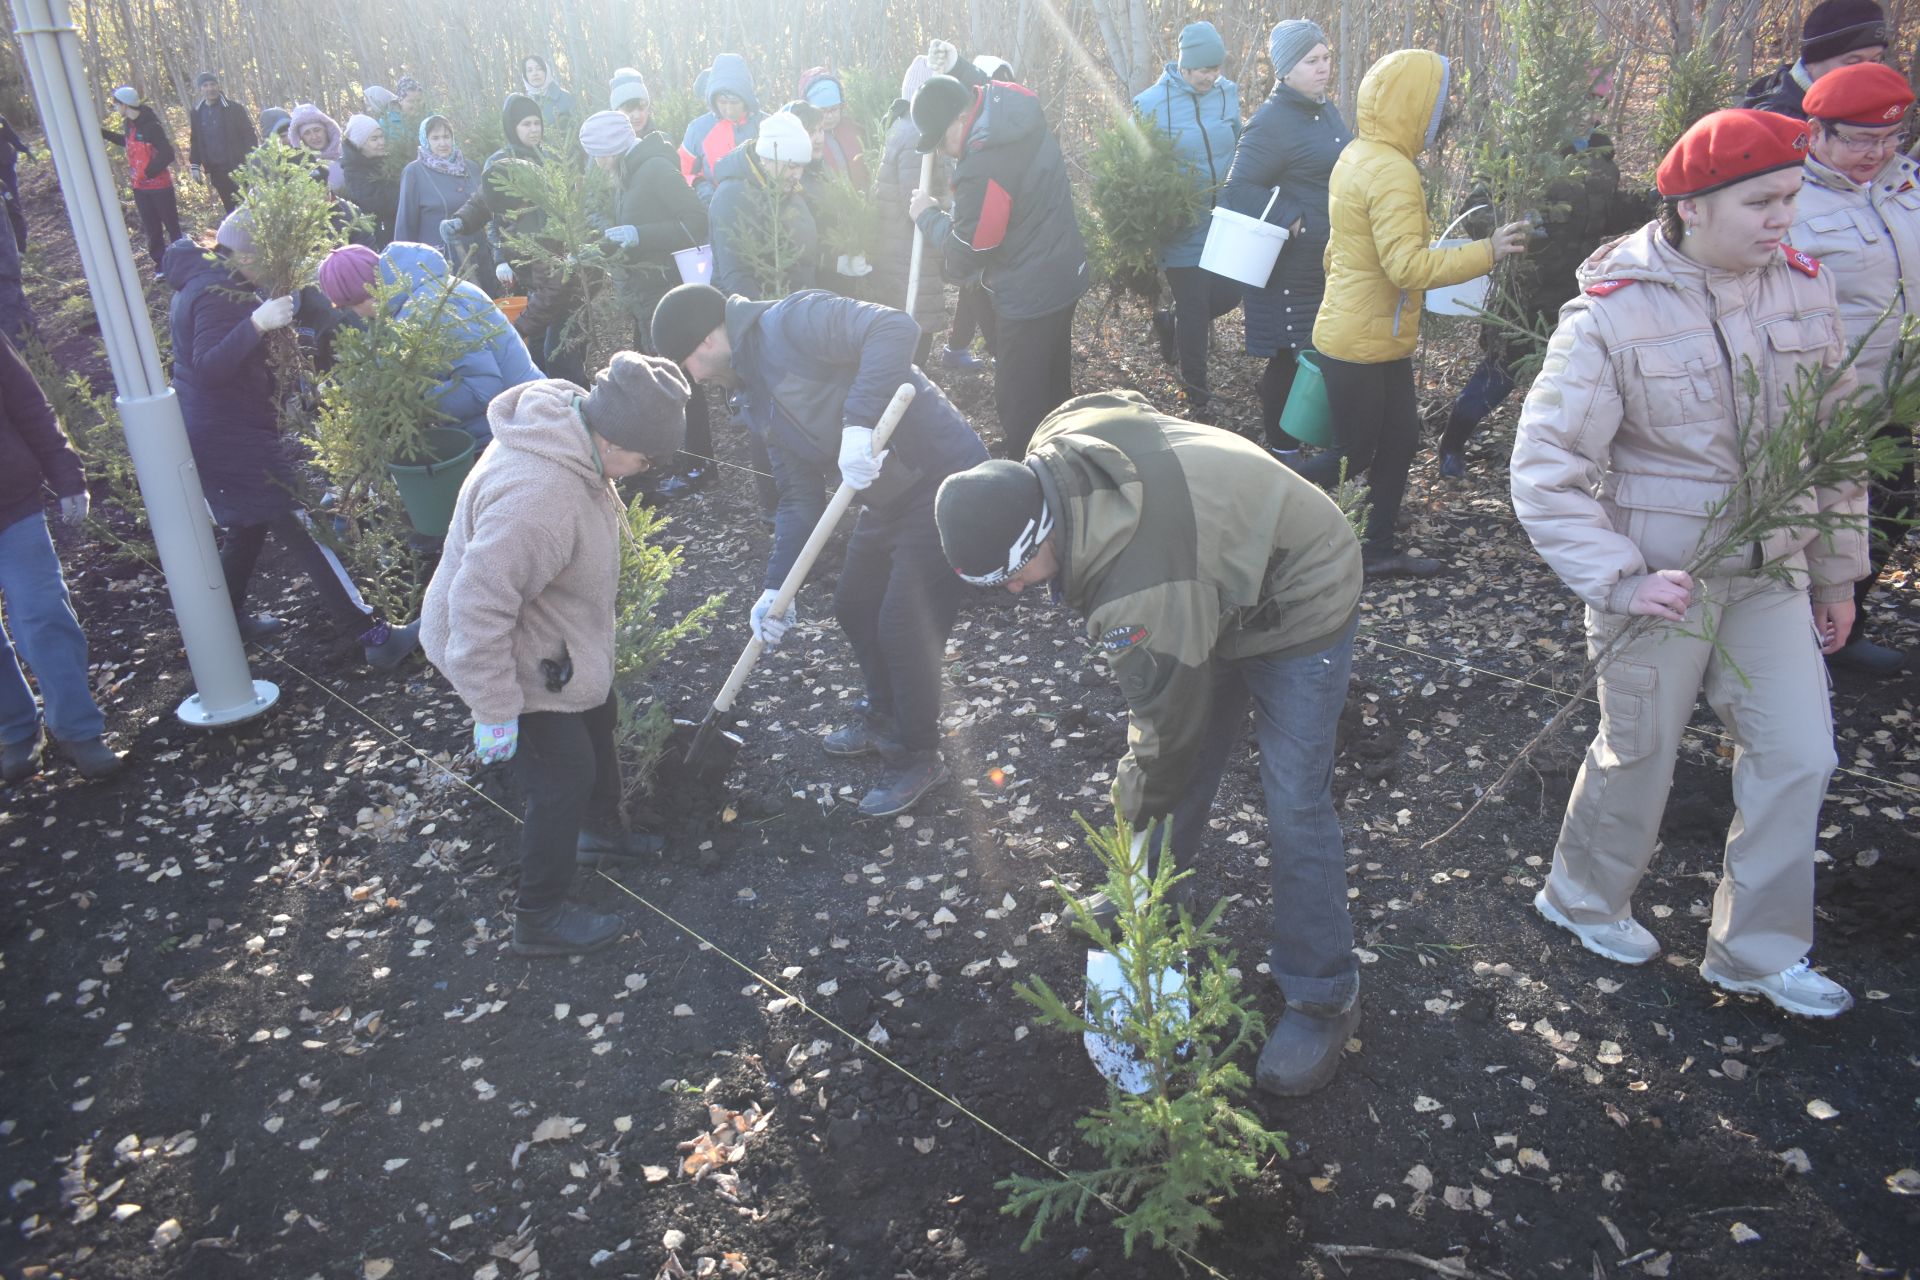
{"x":1204,"y":128}
{"x":1290,"y":144}
{"x":494,"y":356}
{"x":815,"y":362}
{"x":709,"y":139}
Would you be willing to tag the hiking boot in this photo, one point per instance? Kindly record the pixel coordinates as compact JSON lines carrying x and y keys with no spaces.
{"x":21,"y":760}
{"x":1398,"y":564}
{"x":387,"y":647}
{"x":905,"y":782}
{"x":1620,"y":940}
{"x":606,"y":848}
{"x":1869,"y":659}
{"x":1797,"y":990}
{"x":961,"y":360}
{"x":255,"y":627}
{"x":1197,"y":406}
{"x":566,"y":930}
{"x":1163,"y":330}
{"x":94,"y":758}
{"x":1303,"y":1053}
{"x":1453,"y":466}
{"x":863,"y":737}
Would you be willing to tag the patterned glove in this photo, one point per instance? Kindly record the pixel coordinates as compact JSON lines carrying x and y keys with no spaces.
{"x":493,"y":743}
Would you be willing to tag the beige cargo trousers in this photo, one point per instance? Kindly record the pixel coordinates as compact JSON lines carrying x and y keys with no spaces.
{"x":1767,"y":682}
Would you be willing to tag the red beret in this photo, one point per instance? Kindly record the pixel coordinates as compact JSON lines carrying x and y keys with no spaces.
{"x":1728,"y":147}
{"x":1869,"y":94}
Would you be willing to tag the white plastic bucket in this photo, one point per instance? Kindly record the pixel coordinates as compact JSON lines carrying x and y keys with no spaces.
{"x":1242,"y":248}
{"x":696,"y":265}
{"x":1467,"y":298}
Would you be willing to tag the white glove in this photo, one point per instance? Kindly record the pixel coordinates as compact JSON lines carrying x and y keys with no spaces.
{"x":504,"y":274}
{"x":493,"y":743}
{"x":274,"y":313}
{"x":854,"y":265}
{"x":858,"y":465}
{"x":767,"y":628}
{"x":625,"y":237}
{"x":942,"y":57}
{"x":74,"y":508}
{"x":450,"y":230}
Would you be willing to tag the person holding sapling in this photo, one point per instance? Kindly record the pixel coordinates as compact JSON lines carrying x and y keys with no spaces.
{"x":814,"y":372}
{"x":248,"y":469}
{"x":733,"y":117}
{"x":1380,"y":263}
{"x":759,"y":178}
{"x":520,"y":619}
{"x":1677,"y":386}
{"x":1836,"y":33}
{"x":1859,"y":214}
{"x":1198,"y":108}
{"x":370,"y":184}
{"x":1012,"y":228}
{"x":1577,"y":213}
{"x":220,"y":136}
{"x":493,"y":358}
{"x":434,"y":187}
{"x":655,"y":215}
{"x":1213,"y":580}
{"x":150,"y":169}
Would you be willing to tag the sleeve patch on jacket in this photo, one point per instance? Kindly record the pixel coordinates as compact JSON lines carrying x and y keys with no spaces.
{"x":1802,"y":261}
{"x":1117,"y":639}
{"x":996,"y":210}
{"x":1604,"y":287}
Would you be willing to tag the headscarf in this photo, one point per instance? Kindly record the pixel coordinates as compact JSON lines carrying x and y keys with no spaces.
{"x":455,"y":165}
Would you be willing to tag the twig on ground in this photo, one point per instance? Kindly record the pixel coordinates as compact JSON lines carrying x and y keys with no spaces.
{"x":1450,"y":1267}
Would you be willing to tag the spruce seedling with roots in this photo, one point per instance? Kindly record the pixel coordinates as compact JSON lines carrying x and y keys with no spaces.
{"x":1144,"y":195}
{"x":1169,"y":1153}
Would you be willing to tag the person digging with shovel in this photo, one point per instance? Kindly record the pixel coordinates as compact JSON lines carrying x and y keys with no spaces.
{"x":815,"y":372}
{"x":1213,"y":580}
{"x":519,"y":618}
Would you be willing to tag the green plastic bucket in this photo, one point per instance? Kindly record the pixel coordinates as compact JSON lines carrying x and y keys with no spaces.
{"x":1307,"y":416}
{"x":428,"y":488}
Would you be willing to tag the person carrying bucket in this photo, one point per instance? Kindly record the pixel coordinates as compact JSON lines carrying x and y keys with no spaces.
{"x":1198,"y":108}
{"x":519,"y":617}
{"x":1213,"y":581}
{"x":1379,"y":266}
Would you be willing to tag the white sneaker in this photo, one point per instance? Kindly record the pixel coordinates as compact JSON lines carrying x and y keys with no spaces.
{"x":1621,"y":940}
{"x":1797,"y":990}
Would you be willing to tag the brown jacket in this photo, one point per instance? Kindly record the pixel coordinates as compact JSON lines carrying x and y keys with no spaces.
{"x":530,"y":566}
{"x":1630,"y":434}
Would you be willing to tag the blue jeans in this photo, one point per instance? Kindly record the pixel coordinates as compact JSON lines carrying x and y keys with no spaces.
{"x":1296,"y":706}
{"x":39,"y":614}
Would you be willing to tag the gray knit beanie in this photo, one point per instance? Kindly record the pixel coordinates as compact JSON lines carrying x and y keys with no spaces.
{"x":1291,"y":41}
{"x":639,"y":402}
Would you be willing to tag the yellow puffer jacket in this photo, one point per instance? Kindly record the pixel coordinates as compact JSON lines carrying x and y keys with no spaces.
{"x":1379,"y":265}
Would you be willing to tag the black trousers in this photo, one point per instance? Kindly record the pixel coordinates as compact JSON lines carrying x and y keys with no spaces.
{"x":221,"y":176}
{"x":1276,"y":384}
{"x":240,"y":552}
{"x":159,"y":218}
{"x":16,"y":212}
{"x":1199,"y":298}
{"x":896,"y":601}
{"x":1376,"y":424}
{"x":1032,"y":374}
{"x":972,"y":315}
{"x":1891,"y":507}
{"x":570,"y":769}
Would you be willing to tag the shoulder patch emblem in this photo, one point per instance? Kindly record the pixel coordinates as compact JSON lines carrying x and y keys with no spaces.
{"x":1118,"y":639}
{"x":1602,"y":288}
{"x":1802,"y":261}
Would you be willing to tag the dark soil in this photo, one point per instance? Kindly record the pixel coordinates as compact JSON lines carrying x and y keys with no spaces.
{"x":257,"y":1018}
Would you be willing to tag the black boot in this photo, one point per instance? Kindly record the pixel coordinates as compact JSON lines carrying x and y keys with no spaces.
{"x":21,"y":760}
{"x":566,"y":930}
{"x":865,"y":735}
{"x":1304,"y":1051}
{"x":615,"y":845}
{"x":1163,"y":330}
{"x":94,"y":758}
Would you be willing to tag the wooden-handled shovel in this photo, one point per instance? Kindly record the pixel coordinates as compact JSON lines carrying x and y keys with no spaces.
{"x":702,"y":745}
{"x":919,"y":237}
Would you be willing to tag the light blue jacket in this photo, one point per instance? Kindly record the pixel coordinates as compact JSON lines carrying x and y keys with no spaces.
{"x":1204,"y":128}
{"x":493,"y":356}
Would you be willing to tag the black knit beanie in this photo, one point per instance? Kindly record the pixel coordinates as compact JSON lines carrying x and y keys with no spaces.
{"x":516,"y":108}
{"x":993,"y":519}
{"x":685,"y":317}
{"x":1841,"y":26}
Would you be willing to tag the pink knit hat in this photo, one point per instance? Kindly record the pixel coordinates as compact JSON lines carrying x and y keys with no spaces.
{"x":347,"y":275}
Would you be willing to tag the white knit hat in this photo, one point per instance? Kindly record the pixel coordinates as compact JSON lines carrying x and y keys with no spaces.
{"x":627,"y":86}
{"x":360,"y":128}
{"x":606,"y":133}
{"x":784,"y":140}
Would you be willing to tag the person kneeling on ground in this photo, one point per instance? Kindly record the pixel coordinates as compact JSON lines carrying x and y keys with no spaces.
{"x":1212,"y":578}
{"x":817,"y":371}
{"x":519,"y":618}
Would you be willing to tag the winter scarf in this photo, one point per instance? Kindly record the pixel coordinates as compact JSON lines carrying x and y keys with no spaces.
{"x":455,"y":165}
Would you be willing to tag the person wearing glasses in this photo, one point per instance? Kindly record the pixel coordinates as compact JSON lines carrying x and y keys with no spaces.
{"x":1859,"y":214}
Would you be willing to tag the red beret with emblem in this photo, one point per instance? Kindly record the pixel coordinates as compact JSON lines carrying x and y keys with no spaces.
{"x":1728,"y":147}
{"x":1869,"y":94}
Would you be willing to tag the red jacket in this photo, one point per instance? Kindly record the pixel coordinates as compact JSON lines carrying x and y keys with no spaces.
{"x":149,"y":153}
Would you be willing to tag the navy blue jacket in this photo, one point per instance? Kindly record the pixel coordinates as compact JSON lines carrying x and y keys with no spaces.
{"x":736,"y":217}
{"x":1291,"y":143}
{"x":225,"y":389}
{"x":815,"y":362}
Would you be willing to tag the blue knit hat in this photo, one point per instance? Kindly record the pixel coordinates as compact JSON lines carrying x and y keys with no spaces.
{"x":1201,"y":46}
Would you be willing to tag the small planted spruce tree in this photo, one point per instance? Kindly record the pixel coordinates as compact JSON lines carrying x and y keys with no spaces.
{"x":1170,"y":1151}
